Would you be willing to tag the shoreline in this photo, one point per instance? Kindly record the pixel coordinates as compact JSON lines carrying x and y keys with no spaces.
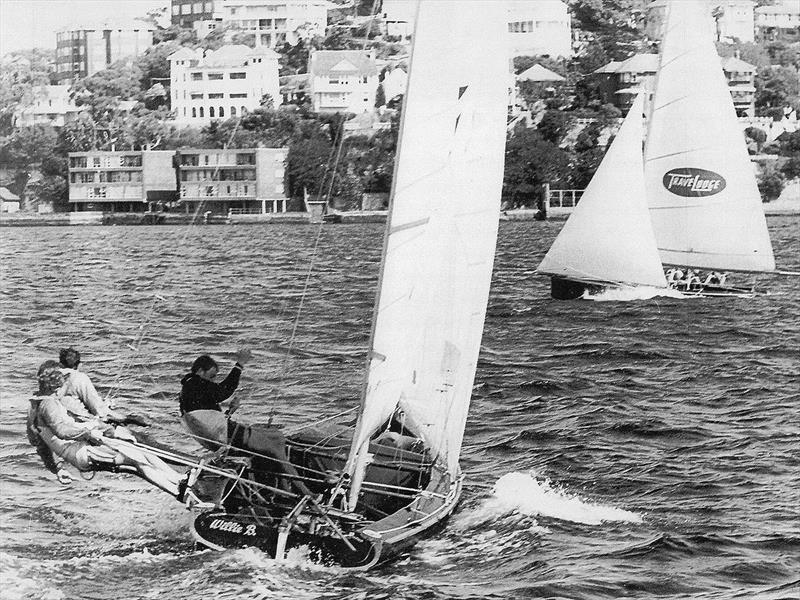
{"x":294,"y":218}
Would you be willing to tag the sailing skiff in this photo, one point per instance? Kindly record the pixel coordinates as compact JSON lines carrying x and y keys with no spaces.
{"x":377,"y":489}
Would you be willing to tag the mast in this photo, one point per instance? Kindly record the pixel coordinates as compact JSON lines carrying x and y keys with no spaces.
{"x":441,"y":231}
{"x":608,"y":238}
{"x":704,"y":202}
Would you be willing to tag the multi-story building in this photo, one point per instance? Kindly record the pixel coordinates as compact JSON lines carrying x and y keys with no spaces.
{"x":121,"y":181}
{"x":780,"y":21}
{"x":186,"y":13}
{"x":534,"y":28}
{"x":733,"y":18}
{"x":83,"y":50}
{"x":741,"y":78}
{"x":223,"y":83}
{"x":343,"y":80}
{"x":51,"y":106}
{"x":275,"y":22}
{"x":620,"y":82}
{"x":249,"y":180}
{"x":539,"y":28}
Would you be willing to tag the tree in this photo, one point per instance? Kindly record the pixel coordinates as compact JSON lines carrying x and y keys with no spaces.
{"x":791,"y":168}
{"x":28,"y":146}
{"x":154,"y":65}
{"x":759,"y":136}
{"x":306,"y":166}
{"x":530,"y":162}
{"x":380,"y":96}
{"x":78,"y":135}
{"x":770,"y":184}
{"x":777,"y":87}
{"x":554,"y":126}
{"x":50,"y":189}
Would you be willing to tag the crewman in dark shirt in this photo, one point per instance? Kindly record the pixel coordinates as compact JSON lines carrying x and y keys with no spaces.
{"x":200,"y":404}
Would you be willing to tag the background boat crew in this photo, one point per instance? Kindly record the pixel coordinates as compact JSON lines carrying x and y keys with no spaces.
{"x":60,"y":439}
{"x":200,"y":405}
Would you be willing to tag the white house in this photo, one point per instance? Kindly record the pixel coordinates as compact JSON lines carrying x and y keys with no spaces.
{"x":734,"y":18}
{"x":539,"y":28}
{"x":51,"y":105}
{"x":780,"y":20}
{"x":275,"y":22}
{"x":343,"y":80}
{"x":222,"y":84}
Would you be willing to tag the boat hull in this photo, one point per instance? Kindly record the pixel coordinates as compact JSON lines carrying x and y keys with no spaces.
{"x":568,"y":289}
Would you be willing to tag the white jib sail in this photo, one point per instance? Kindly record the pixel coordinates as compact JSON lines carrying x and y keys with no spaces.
{"x":704,"y":202}
{"x":608,"y":238}
{"x":442,"y":229}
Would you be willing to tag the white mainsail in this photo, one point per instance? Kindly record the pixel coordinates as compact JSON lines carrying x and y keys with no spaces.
{"x":608,"y":238}
{"x":442,"y":230}
{"x":704,"y":201}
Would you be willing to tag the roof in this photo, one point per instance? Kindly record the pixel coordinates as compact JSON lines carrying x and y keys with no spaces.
{"x":731,"y":63}
{"x":185,"y":53}
{"x":325,"y":62}
{"x":639,"y":63}
{"x":539,"y":73}
{"x":230,"y":55}
{"x":609,"y":68}
{"x":787,"y":7}
{"x":7,"y":196}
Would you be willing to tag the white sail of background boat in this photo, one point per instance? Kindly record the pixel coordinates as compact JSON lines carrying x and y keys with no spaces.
{"x":399,"y":477}
{"x":608,"y":239}
{"x":704,"y":202}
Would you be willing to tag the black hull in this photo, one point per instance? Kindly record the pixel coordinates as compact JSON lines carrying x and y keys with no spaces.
{"x":404,"y":497}
{"x":719,"y":291}
{"x":567,"y":289}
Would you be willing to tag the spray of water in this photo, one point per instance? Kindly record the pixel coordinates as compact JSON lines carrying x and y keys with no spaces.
{"x":628,"y":294}
{"x":526,"y":494}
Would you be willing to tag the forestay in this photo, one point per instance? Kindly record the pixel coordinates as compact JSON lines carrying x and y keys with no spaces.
{"x":704,"y":202}
{"x":608,"y":238}
{"x":442,"y":229}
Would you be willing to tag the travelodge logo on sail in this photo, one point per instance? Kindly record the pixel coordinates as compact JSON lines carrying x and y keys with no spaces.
{"x":695,"y":183}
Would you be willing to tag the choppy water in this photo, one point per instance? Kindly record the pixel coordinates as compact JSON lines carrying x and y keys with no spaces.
{"x":639,"y":449}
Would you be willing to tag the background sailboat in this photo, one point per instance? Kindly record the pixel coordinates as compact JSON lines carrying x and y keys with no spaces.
{"x":704,"y":202}
{"x":608,"y":240}
{"x":401,"y":477}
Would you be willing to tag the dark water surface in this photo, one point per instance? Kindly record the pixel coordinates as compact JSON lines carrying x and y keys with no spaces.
{"x":614,"y":450}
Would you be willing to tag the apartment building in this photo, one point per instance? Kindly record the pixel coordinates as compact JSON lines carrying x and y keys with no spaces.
{"x":83,"y":50}
{"x":620,"y":82}
{"x":343,"y":80}
{"x":246,"y":180}
{"x":186,"y":13}
{"x":51,"y":106}
{"x":276,"y":22}
{"x":541,"y":28}
{"x":220,"y":84}
{"x":779,"y":21}
{"x":121,"y":181}
{"x":731,"y":19}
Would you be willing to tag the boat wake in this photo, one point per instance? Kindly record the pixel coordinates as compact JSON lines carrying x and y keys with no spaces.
{"x":525,"y":494}
{"x":627,"y":294}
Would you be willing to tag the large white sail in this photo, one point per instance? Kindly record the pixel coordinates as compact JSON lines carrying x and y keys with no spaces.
{"x":704,"y":202}
{"x":442,"y":230}
{"x":608,"y":238}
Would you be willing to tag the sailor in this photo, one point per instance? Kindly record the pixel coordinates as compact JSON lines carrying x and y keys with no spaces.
{"x":201,"y":410}
{"x":674,"y":277}
{"x":60,"y":439}
{"x":692,"y":280}
{"x":78,"y":386}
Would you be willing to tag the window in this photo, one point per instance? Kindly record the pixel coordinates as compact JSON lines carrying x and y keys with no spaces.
{"x":221,"y":112}
{"x":238,"y":95}
{"x":96,"y":161}
{"x":189,"y":160}
{"x":210,"y":190}
{"x":196,"y":96}
{"x":245,"y":158}
{"x":77,"y":162}
{"x":214,"y":76}
{"x":215,"y":96}
{"x":233,"y":111}
{"x":197,"y":76}
{"x":194,"y":112}
{"x":238,"y":75}
{"x":201,"y":112}
{"x":211,"y":111}
{"x":131,"y":161}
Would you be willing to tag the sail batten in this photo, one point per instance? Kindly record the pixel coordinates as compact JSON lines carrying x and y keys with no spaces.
{"x":704,"y":202}
{"x":442,"y":230}
{"x":608,"y":237}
